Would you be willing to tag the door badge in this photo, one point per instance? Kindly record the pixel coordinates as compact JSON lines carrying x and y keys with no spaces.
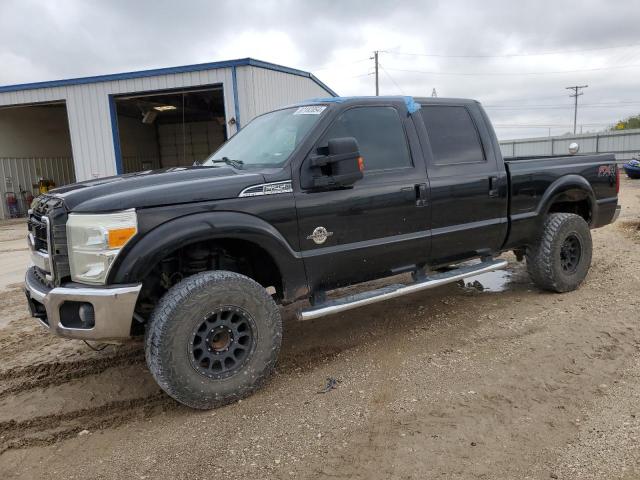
{"x":319,"y":235}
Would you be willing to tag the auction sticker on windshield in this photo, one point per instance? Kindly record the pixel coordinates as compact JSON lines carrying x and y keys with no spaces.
{"x":310,"y":110}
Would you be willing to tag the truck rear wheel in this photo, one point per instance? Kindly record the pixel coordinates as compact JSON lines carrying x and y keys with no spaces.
{"x":561,"y":259}
{"x":213,"y":339}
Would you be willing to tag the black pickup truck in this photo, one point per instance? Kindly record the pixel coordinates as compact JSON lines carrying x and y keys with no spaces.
{"x":303,"y":200}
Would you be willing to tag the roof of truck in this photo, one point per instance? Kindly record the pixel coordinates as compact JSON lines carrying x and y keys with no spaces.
{"x":413,"y":103}
{"x":389,"y":97}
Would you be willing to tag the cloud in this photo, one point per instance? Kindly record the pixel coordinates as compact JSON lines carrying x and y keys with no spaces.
{"x":43,"y":40}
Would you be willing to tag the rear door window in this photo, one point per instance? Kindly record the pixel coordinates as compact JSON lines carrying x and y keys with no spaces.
{"x":452,"y":134}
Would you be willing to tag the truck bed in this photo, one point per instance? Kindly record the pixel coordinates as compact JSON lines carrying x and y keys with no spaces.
{"x":531,"y":178}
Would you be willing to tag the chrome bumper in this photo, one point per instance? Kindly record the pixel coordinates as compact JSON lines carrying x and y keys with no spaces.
{"x":616,"y":214}
{"x":112,"y":308}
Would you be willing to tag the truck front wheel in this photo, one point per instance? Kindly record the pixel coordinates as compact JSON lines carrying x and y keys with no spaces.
{"x":560,"y":260}
{"x":213,"y":339}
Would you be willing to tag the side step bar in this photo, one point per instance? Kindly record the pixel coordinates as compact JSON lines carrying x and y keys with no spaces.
{"x":397,"y":290}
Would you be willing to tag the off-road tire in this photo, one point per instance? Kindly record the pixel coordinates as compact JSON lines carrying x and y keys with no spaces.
{"x":172,"y":324}
{"x":545,"y":259}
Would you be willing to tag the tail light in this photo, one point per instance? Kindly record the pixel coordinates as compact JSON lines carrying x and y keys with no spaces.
{"x":617,"y":179}
{"x":361,"y":164}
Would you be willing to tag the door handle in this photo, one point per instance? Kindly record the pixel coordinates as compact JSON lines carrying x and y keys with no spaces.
{"x":493,"y":187}
{"x":421,"y":194}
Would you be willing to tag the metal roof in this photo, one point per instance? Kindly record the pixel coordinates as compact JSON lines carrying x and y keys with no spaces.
{"x":165,"y":71}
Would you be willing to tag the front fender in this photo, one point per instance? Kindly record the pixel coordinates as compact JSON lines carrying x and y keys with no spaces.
{"x":134,"y":264}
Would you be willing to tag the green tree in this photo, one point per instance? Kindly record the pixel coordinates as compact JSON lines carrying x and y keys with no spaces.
{"x":627,"y":123}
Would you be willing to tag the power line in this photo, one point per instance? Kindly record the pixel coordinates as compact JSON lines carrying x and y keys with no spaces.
{"x":492,"y":74}
{"x":362,"y":75}
{"x":510,"y":55}
{"x":391,"y":78}
{"x":338,"y":65}
{"x":559,"y":107}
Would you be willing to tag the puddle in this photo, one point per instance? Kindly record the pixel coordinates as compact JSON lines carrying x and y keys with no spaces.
{"x":496,"y":281}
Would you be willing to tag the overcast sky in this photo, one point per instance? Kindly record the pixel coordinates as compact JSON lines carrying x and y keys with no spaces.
{"x":516,"y":59}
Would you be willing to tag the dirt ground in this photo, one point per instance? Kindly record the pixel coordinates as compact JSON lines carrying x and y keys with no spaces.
{"x":456,"y":382}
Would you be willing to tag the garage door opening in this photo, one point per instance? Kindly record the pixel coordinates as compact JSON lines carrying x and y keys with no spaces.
{"x":35,"y":154}
{"x":170,"y":129}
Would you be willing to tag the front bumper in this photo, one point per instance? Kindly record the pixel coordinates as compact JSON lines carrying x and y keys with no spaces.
{"x":109,"y":310}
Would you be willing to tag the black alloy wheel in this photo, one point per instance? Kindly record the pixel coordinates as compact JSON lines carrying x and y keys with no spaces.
{"x":570,"y":253}
{"x":222,"y":342}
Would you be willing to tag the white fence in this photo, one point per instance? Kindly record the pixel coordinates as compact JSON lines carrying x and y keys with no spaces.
{"x":625,"y":144}
{"x":20,"y":175}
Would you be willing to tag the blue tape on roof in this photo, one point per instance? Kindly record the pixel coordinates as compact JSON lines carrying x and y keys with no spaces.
{"x":411,"y":104}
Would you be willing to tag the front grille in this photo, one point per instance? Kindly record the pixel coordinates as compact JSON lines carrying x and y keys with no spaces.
{"x":54,"y":239}
{"x":38,"y":228}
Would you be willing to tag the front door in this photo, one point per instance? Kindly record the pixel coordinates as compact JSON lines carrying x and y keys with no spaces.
{"x":381,"y":224}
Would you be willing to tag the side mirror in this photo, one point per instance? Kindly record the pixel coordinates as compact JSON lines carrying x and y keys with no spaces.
{"x":341,"y":167}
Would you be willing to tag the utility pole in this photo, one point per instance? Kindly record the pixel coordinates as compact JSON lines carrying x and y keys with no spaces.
{"x":577,"y":91}
{"x":375,"y":59}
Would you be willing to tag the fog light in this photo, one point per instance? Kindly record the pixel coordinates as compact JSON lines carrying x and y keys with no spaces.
{"x":87,"y":315}
{"x":77,"y":315}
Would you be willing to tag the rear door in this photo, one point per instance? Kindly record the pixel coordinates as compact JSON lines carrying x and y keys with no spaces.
{"x":468,"y":184}
{"x":380,"y":224}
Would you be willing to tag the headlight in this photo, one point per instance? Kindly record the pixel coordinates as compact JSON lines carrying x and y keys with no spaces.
{"x":94,"y":242}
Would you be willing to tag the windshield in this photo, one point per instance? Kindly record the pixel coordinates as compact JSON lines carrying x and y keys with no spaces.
{"x":268,"y":140}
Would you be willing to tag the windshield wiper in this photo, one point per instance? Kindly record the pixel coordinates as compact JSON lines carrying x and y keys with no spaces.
{"x":234,"y":163}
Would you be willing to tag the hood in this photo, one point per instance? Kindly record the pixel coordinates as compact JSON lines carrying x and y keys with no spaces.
{"x":156,"y":187}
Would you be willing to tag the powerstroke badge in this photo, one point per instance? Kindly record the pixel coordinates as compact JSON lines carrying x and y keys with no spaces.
{"x":319,"y":235}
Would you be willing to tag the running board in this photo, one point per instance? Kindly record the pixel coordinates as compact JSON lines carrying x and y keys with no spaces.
{"x":397,"y":290}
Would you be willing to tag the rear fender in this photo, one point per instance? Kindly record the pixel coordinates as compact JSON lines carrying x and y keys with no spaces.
{"x":569,"y":188}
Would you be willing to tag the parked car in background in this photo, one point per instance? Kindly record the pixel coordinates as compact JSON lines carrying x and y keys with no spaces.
{"x":632,"y":168}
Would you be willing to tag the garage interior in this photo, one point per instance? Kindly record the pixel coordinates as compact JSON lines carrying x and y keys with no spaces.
{"x":170,"y":128}
{"x":35,"y":153}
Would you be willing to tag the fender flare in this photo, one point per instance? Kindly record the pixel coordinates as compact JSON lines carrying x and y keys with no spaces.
{"x":136,"y":262}
{"x":568,"y":185}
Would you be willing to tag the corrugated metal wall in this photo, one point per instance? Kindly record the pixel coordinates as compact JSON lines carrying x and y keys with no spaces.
{"x":88,"y":106}
{"x":90,"y":117}
{"x":262,"y":90}
{"x":185,"y":144}
{"x":625,"y":144}
{"x":22,"y":173}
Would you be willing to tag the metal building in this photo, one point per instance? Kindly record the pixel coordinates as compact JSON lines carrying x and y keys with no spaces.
{"x":83,"y":128}
{"x":625,"y":144}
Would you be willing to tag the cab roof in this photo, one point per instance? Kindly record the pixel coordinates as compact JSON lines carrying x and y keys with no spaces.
{"x":413,"y":103}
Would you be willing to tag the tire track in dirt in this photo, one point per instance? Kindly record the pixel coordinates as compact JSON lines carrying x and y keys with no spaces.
{"x":20,"y":379}
{"x":49,"y":429}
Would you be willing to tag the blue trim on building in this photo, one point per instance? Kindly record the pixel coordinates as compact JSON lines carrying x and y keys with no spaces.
{"x":165,"y":71}
{"x":236,"y":104}
{"x":115,"y":132}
